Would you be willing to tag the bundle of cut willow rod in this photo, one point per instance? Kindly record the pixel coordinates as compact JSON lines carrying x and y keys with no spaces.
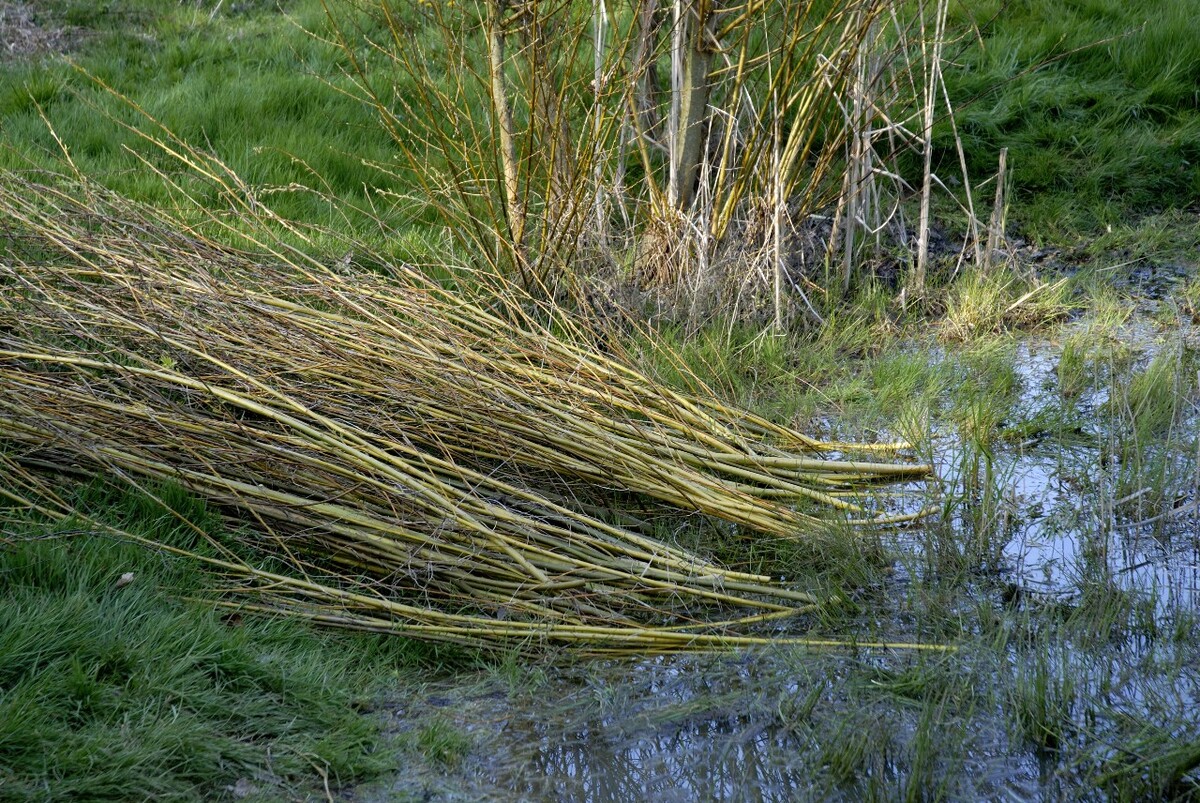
{"x":448,"y":464}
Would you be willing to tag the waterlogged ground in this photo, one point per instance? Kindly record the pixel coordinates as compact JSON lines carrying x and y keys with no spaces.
{"x":1073,"y":503}
{"x":771,"y":725}
{"x":1064,"y":565}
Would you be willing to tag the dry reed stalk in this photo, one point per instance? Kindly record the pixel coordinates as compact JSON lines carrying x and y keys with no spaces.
{"x":995,"y":238}
{"x":365,"y":608}
{"x":931,"y":52}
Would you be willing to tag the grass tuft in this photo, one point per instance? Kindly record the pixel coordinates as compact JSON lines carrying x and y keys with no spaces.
{"x":981,"y":304}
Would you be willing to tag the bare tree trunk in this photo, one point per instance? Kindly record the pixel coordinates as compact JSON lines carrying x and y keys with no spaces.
{"x":504,"y":125}
{"x":550,"y":129}
{"x":996,"y":225}
{"x":777,"y":222}
{"x":860,"y":175}
{"x":645,"y":70}
{"x":691,"y":56}
{"x":933,"y":64}
{"x":599,"y":30}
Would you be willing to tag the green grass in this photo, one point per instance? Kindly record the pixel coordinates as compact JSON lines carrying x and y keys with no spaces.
{"x":248,"y":83}
{"x":999,"y":302}
{"x":1095,"y":100}
{"x":115,"y":689}
{"x":442,"y":743}
{"x":134,"y":692}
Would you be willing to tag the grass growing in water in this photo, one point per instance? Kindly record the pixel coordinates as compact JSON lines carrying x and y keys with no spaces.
{"x":443,"y":743}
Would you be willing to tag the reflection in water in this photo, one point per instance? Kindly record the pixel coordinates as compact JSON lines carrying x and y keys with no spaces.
{"x":771,"y":725}
{"x":674,"y":740}
{"x":684,"y":728}
{"x":1069,"y":519}
{"x":738,"y":759}
{"x":701,"y":760}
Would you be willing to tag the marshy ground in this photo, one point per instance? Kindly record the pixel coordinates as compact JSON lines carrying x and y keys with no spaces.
{"x":1057,"y":397}
{"x":1064,"y":568}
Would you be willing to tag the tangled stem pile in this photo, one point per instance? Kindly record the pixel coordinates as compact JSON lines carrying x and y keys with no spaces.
{"x":413,"y":462}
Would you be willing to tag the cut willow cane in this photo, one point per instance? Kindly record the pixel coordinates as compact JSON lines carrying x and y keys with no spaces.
{"x":429,"y":452}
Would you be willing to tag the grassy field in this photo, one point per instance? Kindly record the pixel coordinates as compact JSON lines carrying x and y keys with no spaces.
{"x":1096,"y":102}
{"x":1072,"y":367}
{"x":121,"y":682}
{"x":248,"y":84}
